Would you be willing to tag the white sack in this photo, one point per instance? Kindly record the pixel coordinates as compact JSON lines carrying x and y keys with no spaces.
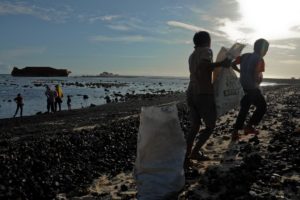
{"x":227,"y":88}
{"x":221,"y":56}
{"x":228,"y":91}
{"x":235,"y":50}
{"x":161,"y":150}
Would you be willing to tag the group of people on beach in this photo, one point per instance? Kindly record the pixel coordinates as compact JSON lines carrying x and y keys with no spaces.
{"x":54,"y":100}
{"x":200,"y":93}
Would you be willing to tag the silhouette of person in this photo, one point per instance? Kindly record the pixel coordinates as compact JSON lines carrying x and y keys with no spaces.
{"x":50,"y":94}
{"x":200,"y":95}
{"x":251,"y":67}
{"x":69,"y":102}
{"x":19,"y":101}
{"x":58,"y":98}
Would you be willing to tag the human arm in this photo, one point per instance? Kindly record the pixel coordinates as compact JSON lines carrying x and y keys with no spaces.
{"x":260,"y":68}
{"x":236,"y":62}
{"x":212,"y":65}
{"x":224,"y":63}
{"x":234,"y":67}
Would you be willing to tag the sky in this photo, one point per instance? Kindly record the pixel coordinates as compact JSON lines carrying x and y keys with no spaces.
{"x":142,"y":37}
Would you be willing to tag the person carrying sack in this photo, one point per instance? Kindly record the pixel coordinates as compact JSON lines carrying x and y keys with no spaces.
{"x":251,"y":67}
{"x":200,"y":94}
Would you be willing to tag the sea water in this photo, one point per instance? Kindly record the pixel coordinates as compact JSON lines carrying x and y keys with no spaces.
{"x":33,"y":90}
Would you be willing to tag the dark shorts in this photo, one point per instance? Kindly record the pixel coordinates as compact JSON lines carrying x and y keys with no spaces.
{"x":58,"y":100}
{"x":202,"y":106}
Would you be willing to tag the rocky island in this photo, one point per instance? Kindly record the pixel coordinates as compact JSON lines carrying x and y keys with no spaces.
{"x":39,"y":71}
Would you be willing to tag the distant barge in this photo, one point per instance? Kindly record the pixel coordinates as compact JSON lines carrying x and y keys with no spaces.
{"x":39,"y":72}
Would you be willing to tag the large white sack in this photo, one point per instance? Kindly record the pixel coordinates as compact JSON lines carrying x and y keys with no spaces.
{"x":231,"y":54}
{"x":161,"y":150}
{"x":228,"y":91}
{"x":227,"y":88}
{"x":235,"y":50}
{"x":221,"y":56}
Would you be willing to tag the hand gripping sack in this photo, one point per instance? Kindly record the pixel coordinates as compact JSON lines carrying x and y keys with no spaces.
{"x":161,"y":150}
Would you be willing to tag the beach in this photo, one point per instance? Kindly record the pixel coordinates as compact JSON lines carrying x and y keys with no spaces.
{"x":89,"y":153}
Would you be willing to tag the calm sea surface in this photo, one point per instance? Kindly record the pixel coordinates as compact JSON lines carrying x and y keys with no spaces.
{"x":33,"y":90}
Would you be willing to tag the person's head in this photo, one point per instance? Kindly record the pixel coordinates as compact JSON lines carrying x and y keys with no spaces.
{"x":201,"y":39}
{"x":261,"y":47}
{"x":19,"y":95}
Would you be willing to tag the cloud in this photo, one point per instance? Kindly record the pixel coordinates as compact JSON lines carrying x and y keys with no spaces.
{"x":137,"y":38}
{"x":290,"y":62}
{"x":138,"y":57}
{"x":116,"y":22}
{"x":279,"y":46}
{"x":104,"y":18}
{"x":184,"y":26}
{"x":46,"y":14}
{"x":274,"y":20}
{"x":130,"y":39}
{"x":21,"y":52}
{"x":192,"y":27}
{"x":119,"y":27}
{"x":109,"y":17}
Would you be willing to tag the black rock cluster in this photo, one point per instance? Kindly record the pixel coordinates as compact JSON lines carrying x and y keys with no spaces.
{"x":65,"y":162}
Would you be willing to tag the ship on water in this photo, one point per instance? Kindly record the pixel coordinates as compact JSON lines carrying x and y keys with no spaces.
{"x":39,"y":71}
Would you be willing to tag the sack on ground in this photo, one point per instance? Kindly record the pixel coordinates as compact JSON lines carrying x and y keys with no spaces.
{"x":160,"y":153}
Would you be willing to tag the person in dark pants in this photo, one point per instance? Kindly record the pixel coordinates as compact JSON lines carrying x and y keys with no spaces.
{"x":58,"y":98}
{"x":50,"y":94}
{"x":251,"y":67}
{"x":19,"y":101}
{"x":200,"y":94}
{"x":69,"y":102}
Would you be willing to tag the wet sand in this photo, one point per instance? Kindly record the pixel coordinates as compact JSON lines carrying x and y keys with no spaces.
{"x":89,"y":153}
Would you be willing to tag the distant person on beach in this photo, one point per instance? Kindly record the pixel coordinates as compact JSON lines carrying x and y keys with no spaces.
{"x":200,"y":94}
{"x":251,"y":67}
{"x":58,"y":98}
{"x":69,"y":102}
{"x":19,"y":101}
{"x":107,"y":98}
{"x":51,"y":95}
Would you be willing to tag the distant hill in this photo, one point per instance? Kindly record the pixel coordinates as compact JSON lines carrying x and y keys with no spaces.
{"x":39,"y":71}
{"x":107,"y":74}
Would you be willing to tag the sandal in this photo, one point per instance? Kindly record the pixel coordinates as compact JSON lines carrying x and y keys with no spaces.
{"x":235,"y":136}
{"x":250,"y":130}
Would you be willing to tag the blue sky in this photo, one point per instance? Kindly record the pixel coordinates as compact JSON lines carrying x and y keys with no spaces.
{"x":141,"y":37}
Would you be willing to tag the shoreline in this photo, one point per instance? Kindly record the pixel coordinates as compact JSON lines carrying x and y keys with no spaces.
{"x":69,"y":154}
{"x":282,"y":82}
{"x":110,"y":110}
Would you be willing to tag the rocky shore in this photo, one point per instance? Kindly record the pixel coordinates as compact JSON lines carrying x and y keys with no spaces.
{"x":89,"y":153}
